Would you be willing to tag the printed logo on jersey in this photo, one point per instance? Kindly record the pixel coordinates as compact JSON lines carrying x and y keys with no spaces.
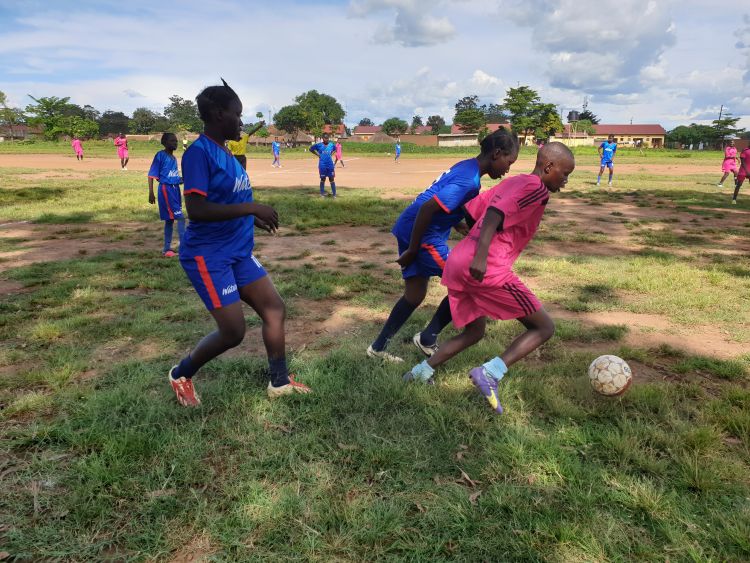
{"x":173,"y":174}
{"x":229,"y":289}
{"x":241,"y":184}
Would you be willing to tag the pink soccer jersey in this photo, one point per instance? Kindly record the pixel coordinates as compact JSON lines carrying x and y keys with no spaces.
{"x":338,"y":151}
{"x":76,"y":144}
{"x":122,"y":146}
{"x":522,"y":199}
{"x":730,"y":163}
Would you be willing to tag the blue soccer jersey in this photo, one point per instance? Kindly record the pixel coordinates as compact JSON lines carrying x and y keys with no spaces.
{"x":398,"y":148}
{"x":451,"y":191}
{"x":212,"y":171}
{"x":325,"y":151}
{"x":608,"y":151}
{"x":164,"y":169}
{"x":275,"y":147}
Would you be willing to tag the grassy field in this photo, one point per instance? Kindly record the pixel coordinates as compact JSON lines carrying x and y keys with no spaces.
{"x":98,"y":462}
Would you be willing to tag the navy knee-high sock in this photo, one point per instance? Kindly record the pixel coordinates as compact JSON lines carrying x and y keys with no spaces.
{"x":440,"y":320}
{"x":181,"y":229}
{"x":322,"y":187}
{"x":279,"y":371}
{"x":333,"y":188}
{"x":401,"y":312}
{"x":168,"y":229}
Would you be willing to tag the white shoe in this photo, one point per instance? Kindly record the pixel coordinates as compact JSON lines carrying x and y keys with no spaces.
{"x":383,"y":355}
{"x":719,"y":185}
{"x":597,"y":183}
{"x":609,"y":184}
{"x":125,"y":168}
{"x":426,"y":350}
{"x":734,"y":202}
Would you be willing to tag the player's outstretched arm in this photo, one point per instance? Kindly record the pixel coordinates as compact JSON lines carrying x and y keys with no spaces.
{"x":151,"y":197}
{"x":493,"y":222}
{"x":421,"y":222}
{"x":200,"y":209}
{"x":257,"y":128}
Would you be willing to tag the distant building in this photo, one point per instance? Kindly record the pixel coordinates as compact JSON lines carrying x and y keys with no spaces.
{"x":644,"y":135}
{"x":19,"y":132}
{"x":365,"y":132}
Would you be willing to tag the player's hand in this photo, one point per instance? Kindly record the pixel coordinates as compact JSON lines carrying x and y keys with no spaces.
{"x":407,"y":258}
{"x":151,"y":198}
{"x":477,"y":269}
{"x":268,"y":216}
{"x":263,"y":225}
{"x":462,"y":228}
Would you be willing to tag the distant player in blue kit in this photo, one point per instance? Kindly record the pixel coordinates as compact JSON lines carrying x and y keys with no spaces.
{"x":398,"y":151}
{"x":324,"y":151}
{"x":164,"y":171}
{"x":217,"y":252}
{"x":276,"y":149}
{"x":422,"y":232}
{"x":607,"y":152}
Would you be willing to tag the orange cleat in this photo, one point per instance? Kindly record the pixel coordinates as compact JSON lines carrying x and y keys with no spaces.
{"x":291,"y":388}
{"x":184,"y":390}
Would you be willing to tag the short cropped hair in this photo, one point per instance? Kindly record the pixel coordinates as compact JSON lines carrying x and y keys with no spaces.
{"x":503,"y":140}
{"x":213,"y":98}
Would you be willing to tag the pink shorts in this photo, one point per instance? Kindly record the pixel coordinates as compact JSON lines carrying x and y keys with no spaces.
{"x":512,"y":300}
{"x":729,"y":165}
{"x":122,"y":153}
{"x":741,"y":176}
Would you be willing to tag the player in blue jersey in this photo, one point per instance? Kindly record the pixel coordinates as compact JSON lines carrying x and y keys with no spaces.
{"x":217,"y":252}
{"x":607,"y":152}
{"x":422,"y":232}
{"x":324,"y":151}
{"x":398,"y":151}
{"x":276,"y":149}
{"x":164,"y":171}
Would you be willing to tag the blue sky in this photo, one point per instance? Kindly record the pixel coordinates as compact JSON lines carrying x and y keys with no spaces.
{"x":646,"y":60}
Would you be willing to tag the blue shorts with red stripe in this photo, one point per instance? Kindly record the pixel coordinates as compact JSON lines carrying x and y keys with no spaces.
{"x":218,"y":279}
{"x":170,"y":202}
{"x":430,"y":259}
{"x":326,"y":171}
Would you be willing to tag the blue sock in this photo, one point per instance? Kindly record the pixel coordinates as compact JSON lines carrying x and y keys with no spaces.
{"x":610,"y":177}
{"x":333,"y":188}
{"x":440,"y":320}
{"x":496,"y":368}
{"x":181,"y":229}
{"x":401,"y":312}
{"x":322,"y":187}
{"x":598,"y":178}
{"x":168,"y":228}
{"x":279,"y":371}
{"x":185,"y":368}
{"x":422,"y":371}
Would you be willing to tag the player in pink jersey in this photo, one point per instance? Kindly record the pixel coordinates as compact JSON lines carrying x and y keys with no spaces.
{"x":122,"y":150}
{"x":339,"y":155}
{"x":479,"y":271}
{"x":77,"y":146}
{"x":743,"y":173}
{"x":729,"y":164}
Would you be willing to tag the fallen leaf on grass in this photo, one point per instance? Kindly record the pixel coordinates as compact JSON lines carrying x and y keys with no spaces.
{"x":474,"y":496}
{"x":462,"y":451}
{"x":466,"y":480}
{"x":4,"y":555}
{"x":162,"y":493}
{"x":421,"y":508}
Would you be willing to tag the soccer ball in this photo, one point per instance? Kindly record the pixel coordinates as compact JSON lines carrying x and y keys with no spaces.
{"x":610,"y":375}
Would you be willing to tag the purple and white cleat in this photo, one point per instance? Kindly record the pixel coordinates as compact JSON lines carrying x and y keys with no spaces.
{"x":487,"y":386}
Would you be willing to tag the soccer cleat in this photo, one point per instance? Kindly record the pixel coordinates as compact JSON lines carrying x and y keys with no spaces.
{"x":597,"y":183}
{"x":409,"y":376}
{"x":426,"y":350}
{"x":291,"y":388}
{"x":170,"y":254}
{"x":487,"y":386}
{"x":184,"y":390}
{"x":383,"y":355}
{"x":719,"y":185}
{"x":609,"y":184}
{"x":734,"y":202}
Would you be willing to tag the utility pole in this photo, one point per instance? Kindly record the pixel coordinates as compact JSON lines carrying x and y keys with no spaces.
{"x":718,"y":124}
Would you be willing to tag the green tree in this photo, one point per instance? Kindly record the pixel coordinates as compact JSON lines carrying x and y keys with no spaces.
{"x":470,"y":120}
{"x":183,"y":115}
{"x":521,"y":104}
{"x":547,"y":121}
{"x":291,"y":120}
{"x":587,"y":115}
{"x":114,"y":122}
{"x":90,"y":112}
{"x":76,"y":126}
{"x":727,"y":127}
{"x":693,"y":134}
{"x":585,"y":126}
{"x":395,"y":126}
{"x":366,"y":121}
{"x":321,"y":109}
{"x":10,"y":117}
{"x":416,"y":121}
{"x":146,"y":121}
{"x":46,"y":112}
{"x":436,"y":123}
{"x":494,"y":113}
{"x":467,"y":102}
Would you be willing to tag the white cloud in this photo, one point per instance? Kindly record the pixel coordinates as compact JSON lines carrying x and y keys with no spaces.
{"x":592,"y":47}
{"x":413,"y":26}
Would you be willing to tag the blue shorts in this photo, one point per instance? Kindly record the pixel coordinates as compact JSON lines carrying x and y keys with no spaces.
{"x":326,"y":171}
{"x":430,"y":259}
{"x":217,"y":279}
{"x":170,"y":202}
{"x":608,"y":164}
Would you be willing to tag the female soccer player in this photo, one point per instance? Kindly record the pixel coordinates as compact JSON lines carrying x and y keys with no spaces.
{"x":479,"y":274}
{"x":339,"y":155}
{"x":238,"y":147}
{"x":398,"y":152}
{"x":276,"y":150}
{"x":77,"y":146}
{"x":422,"y":232}
{"x":122,"y":150}
{"x":217,"y":249}
{"x":743,"y":173}
{"x":325,"y":164}
{"x":729,"y":164}
{"x":164,"y":171}
{"x":607,"y":152}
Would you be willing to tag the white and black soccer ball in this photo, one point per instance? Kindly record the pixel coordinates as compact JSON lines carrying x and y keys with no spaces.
{"x":610,"y":375}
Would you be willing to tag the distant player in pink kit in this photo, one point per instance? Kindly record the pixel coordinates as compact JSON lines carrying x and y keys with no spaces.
{"x":78,"y":147}
{"x":122,"y":150}
{"x":479,"y":271}
{"x":339,"y":157}
{"x":743,"y":173}
{"x":729,"y":164}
